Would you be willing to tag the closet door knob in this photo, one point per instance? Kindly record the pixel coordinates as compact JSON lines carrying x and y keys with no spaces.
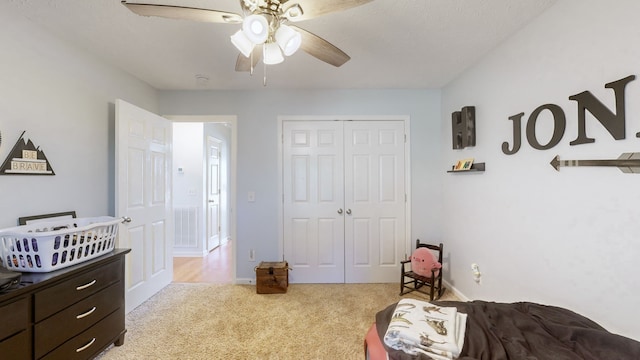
{"x":348,"y":211}
{"x":340,"y":211}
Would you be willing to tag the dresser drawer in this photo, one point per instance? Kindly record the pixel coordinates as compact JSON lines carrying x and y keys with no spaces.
{"x":77,"y":318}
{"x":58,"y":297}
{"x":15,"y":318}
{"x":92,"y":341}
{"x":17,"y":347}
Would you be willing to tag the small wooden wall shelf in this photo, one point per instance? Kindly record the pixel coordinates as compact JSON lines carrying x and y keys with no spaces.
{"x":475,"y":167}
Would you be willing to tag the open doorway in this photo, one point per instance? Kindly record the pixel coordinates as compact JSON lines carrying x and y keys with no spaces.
{"x":203,"y":198}
{"x":216,"y":194}
{"x":215,"y":267}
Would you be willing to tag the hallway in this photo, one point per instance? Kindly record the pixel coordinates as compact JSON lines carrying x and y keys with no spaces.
{"x":215,"y":267}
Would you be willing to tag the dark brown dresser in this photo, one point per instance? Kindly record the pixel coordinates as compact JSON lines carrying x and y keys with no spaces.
{"x":71,"y":313}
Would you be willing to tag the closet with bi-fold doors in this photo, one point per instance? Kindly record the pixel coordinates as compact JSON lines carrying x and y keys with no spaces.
{"x":344,"y":199}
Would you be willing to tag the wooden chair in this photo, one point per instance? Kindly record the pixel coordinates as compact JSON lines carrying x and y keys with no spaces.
{"x":410,"y":281}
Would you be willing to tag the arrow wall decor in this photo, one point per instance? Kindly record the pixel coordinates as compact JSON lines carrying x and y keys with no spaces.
{"x":627,"y":162}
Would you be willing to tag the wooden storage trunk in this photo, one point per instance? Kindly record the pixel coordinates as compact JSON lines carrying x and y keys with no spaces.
{"x":272,"y":277}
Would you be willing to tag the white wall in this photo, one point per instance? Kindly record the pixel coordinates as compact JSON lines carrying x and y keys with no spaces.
{"x":257,"y":111}
{"x":567,"y":238}
{"x":188,"y":150}
{"x":188,"y":187}
{"x":64,"y":99}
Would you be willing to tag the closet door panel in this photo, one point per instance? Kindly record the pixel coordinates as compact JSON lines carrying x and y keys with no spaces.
{"x":375,"y":200}
{"x":313,"y":188}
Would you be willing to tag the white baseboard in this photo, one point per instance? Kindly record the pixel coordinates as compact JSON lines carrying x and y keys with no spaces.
{"x":245,"y":281}
{"x":455,"y":291}
{"x":187,"y":254}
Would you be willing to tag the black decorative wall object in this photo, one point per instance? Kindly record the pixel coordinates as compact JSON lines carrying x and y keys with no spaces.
{"x":613,"y":122}
{"x":26,"y":159}
{"x":463,"y":127}
{"x":627,"y":163}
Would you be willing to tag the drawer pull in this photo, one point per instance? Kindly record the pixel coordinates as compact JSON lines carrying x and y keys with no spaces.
{"x":86,"y":314}
{"x":80,"y":349}
{"x":82,"y":287}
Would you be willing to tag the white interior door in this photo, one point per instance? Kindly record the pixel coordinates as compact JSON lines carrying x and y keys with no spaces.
{"x":374,"y":200}
{"x":143,"y":193}
{"x":344,"y":200}
{"x":313,"y":201}
{"x":213,"y":193}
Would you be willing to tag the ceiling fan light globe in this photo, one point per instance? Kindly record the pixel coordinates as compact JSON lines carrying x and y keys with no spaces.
{"x":256,"y":28}
{"x":288,"y":39}
{"x":272,"y":54}
{"x":242,"y":43}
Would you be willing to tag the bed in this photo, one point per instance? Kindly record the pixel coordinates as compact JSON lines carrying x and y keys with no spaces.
{"x":515,"y":331}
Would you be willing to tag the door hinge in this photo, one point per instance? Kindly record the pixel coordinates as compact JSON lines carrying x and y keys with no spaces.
{"x":405,"y":138}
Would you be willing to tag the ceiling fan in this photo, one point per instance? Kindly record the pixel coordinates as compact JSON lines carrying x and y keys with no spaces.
{"x":265,"y":31}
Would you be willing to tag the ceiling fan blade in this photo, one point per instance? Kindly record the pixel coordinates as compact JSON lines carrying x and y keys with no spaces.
{"x":183,"y":13}
{"x":244,"y":63}
{"x":314,"y":8}
{"x":321,"y":48}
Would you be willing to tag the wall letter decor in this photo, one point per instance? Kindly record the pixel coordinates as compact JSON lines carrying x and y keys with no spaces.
{"x":517,"y":130}
{"x":613,"y":122}
{"x":559,"y":125}
{"x":463,"y":127}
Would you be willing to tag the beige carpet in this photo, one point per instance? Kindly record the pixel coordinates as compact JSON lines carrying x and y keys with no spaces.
{"x":211,"y":321}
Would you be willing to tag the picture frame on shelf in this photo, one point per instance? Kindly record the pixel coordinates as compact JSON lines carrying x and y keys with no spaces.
{"x":463,"y":165}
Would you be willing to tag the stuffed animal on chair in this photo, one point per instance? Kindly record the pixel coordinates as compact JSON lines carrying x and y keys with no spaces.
{"x":423,"y":260}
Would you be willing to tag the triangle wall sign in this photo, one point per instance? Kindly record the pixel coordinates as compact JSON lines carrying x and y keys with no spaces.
{"x":26,"y":159}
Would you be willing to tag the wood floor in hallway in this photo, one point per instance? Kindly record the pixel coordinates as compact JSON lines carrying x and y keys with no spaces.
{"x":215,"y":267}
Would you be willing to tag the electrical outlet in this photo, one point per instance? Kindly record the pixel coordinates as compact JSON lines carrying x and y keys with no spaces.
{"x":475,"y":269}
{"x":252,"y":255}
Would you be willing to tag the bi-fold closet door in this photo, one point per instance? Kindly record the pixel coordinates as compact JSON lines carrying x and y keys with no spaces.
{"x":344,"y":200}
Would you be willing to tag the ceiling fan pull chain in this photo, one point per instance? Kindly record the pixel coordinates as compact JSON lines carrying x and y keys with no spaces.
{"x":264,"y":80}
{"x":252,"y":64}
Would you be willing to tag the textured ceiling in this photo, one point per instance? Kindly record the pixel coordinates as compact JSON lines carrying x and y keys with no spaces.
{"x":392,"y":43}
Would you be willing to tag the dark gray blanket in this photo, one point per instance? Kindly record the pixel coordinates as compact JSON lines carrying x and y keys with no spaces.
{"x":526,"y":331}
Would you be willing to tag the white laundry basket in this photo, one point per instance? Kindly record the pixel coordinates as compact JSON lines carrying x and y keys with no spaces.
{"x":52,"y":245}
